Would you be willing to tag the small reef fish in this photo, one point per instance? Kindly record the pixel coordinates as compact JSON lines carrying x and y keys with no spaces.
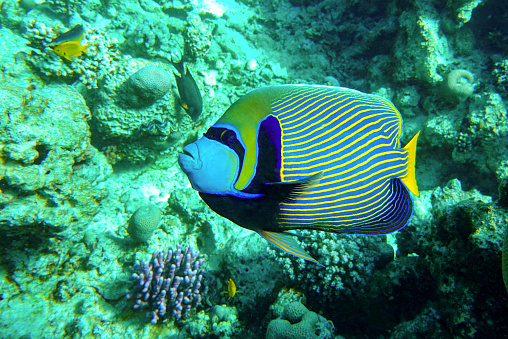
{"x":28,"y":5}
{"x":293,"y":157}
{"x":190,"y":96}
{"x":68,"y":44}
{"x":231,"y":289}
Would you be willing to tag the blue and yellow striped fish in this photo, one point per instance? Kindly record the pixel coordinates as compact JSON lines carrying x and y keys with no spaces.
{"x":306,"y":157}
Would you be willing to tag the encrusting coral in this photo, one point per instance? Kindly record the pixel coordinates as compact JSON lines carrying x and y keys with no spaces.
{"x":49,"y":169}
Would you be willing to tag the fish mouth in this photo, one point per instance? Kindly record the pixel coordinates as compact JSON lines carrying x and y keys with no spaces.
{"x":187,"y":153}
{"x":189,"y":159}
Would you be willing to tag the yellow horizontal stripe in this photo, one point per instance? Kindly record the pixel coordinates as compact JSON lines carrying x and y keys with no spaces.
{"x":320,"y":124}
{"x":369,"y":194}
{"x":381,"y":196}
{"x":290,"y":98}
{"x":342,"y":211}
{"x":303,"y":193}
{"x":289,"y":172}
{"x":331,"y":130}
{"x":274,"y":239}
{"x":348,"y":145}
{"x":338,"y":159}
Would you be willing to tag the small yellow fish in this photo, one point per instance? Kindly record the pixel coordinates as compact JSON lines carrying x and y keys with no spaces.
{"x":231,"y":289}
{"x":68,"y":44}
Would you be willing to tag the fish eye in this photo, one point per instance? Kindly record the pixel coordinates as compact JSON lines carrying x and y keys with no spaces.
{"x":228,"y":138}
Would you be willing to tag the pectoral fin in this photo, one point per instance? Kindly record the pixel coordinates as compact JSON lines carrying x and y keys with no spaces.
{"x":282,"y":191}
{"x":287,"y":242}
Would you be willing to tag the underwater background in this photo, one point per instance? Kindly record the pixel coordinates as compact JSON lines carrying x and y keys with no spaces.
{"x":103,"y":236}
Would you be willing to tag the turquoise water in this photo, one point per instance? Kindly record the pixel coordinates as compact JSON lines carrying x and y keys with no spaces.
{"x":92,"y":124}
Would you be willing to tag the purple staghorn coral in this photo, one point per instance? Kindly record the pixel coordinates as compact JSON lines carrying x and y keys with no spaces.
{"x":169,"y":282}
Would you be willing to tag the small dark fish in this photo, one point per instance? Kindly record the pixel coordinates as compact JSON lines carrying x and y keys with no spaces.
{"x":190,"y":96}
{"x":74,"y":34}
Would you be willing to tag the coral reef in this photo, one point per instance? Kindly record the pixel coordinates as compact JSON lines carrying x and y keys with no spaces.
{"x":66,"y":258}
{"x":224,"y":321}
{"x":157,"y":33}
{"x":462,"y":250}
{"x":221,"y":322}
{"x":139,"y":132}
{"x":486,"y":133}
{"x":197,"y":37}
{"x":422,"y":48}
{"x":461,"y":12}
{"x":48,"y":170}
{"x":144,"y":222}
{"x":169,"y":285}
{"x":349,"y":263}
{"x":501,"y":73}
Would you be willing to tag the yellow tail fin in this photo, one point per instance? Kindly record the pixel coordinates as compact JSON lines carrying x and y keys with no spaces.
{"x":410,"y":179}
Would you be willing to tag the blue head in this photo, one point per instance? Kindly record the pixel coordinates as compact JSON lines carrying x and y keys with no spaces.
{"x":212,"y":167}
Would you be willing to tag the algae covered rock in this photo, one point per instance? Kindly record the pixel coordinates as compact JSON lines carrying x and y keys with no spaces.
{"x":48,"y":169}
{"x":144,"y":222}
{"x":421,"y":48}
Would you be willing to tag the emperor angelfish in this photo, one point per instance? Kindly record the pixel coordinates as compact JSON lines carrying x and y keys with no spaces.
{"x":306,"y":157}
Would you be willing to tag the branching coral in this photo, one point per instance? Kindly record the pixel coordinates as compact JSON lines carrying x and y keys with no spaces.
{"x":169,"y":284}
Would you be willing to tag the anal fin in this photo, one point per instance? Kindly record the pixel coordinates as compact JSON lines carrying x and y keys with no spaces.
{"x":287,"y":243}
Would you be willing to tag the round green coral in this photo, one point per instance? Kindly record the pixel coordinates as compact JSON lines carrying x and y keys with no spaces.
{"x":458,"y":85}
{"x":144,"y":222}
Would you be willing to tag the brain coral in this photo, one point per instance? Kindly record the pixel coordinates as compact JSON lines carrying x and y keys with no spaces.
{"x":145,"y":87}
{"x":144,"y":222}
{"x":458,"y":85}
{"x":297,"y":322}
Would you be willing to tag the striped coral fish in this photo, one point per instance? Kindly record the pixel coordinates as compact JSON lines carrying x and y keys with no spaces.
{"x":293,"y":157}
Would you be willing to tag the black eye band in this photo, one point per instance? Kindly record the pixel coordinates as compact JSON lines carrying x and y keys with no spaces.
{"x":229,"y":138}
